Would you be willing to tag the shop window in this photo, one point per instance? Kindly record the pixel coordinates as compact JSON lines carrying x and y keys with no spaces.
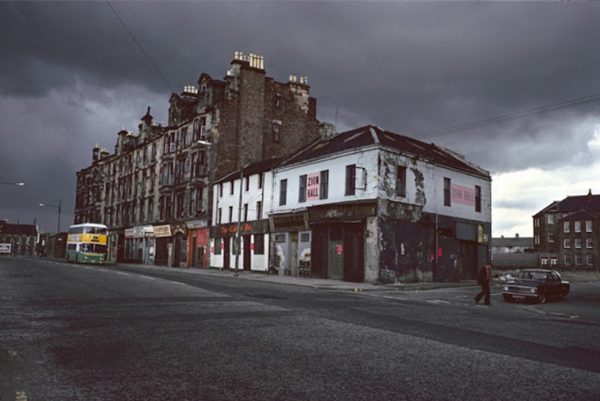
{"x":305,"y":237}
{"x":280,"y":238}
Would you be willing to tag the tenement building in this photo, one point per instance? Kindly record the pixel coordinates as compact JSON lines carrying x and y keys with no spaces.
{"x":154,"y":191}
{"x":566,"y":232}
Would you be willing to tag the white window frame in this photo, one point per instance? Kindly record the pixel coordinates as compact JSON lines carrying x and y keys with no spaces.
{"x":551,"y":237}
{"x":588,"y":226}
{"x":544,"y":261}
{"x":537,"y":239}
{"x":589,"y":243}
{"x":550,"y":218}
{"x":589,"y":260}
{"x":578,"y":260}
{"x":553,"y":261}
{"x":578,"y":243}
{"x":577,"y":227}
{"x":567,"y":243}
{"x":566,"y":227}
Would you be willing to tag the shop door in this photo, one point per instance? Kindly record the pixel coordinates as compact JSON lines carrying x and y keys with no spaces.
{"x":469,"y":260}
{"x":247,"y":253}
{"x":194,"y":252}
{"x":353,"y":254}
{"x":336,"y":252}
{"x":319,"y":251}
{"x":226,"y":252}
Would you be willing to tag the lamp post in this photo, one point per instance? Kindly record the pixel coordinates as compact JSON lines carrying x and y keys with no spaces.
{"x":56,"y":206}
{"x":239,"y":218}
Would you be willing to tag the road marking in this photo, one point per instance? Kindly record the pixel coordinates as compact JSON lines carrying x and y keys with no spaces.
{"x":123,"y":273}
{"x":437,"y":301}
{"x":176,"y":282}
{"x":148,"y":277}
{"x":20,"y":396}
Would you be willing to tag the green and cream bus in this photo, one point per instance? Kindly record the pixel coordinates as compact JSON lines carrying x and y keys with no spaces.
{"x":87,"y":243}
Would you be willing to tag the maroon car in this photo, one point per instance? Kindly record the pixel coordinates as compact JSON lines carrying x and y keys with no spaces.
{"x":535,"y":285}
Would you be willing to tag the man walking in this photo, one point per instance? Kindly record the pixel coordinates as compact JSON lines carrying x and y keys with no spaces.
{"x":485,"y":275}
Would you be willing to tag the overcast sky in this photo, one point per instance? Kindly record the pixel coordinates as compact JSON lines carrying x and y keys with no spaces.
{"x":71,"y":77}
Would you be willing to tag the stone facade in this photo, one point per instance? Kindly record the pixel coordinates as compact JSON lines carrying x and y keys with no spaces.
{"x":567,"y":233}
{"x":159,"y":179}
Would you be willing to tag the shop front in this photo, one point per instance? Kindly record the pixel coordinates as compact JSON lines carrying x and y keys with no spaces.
{"x":339,"y":237}
{"x":291,"y":246}
{"x":254,"y":245}
{"x":197,"y":247}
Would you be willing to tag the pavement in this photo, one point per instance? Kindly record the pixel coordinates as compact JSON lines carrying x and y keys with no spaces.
{"x":316,"y":283}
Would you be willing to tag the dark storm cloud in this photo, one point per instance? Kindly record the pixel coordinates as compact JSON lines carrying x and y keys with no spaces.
{"x":74,"y":73}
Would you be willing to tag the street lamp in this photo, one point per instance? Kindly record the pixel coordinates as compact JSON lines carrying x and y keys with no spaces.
{"x":56,"y":206}
{"x":16,"y":184}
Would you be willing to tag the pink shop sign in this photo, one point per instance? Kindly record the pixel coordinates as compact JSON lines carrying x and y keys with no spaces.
{"x":463,"y":195}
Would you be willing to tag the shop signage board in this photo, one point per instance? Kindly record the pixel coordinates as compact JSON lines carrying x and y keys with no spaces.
{"x":162,"y":231}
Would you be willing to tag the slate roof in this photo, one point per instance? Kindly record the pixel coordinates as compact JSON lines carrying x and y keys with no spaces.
{"x":250,"y":169}
{"x":570,"y":204}
{"x":579,"y":215}
{"x":510,"y":242}
{"x":374,"y":136}
{"x":18,"y":229}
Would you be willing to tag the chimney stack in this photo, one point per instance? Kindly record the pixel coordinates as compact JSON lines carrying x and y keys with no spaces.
{"x":96,"y":153}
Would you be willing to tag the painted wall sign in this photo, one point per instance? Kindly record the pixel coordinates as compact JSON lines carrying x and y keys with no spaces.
{"x":339,"y":249}
{"x":312,"y":186}
{"x":463,"y":195}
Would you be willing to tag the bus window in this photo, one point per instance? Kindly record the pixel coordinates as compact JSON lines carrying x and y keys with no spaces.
{"x":84,"y":247}
{"x":76,"y":230}
{"x":72,"y":247}
{"x":99,"y":248}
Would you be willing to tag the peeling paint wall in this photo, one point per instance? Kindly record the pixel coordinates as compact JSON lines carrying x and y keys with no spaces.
{"x":372,"y":250}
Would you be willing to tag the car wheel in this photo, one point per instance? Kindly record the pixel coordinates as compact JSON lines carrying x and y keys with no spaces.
{"x":507,"y":298}
{"x":541,"y":299}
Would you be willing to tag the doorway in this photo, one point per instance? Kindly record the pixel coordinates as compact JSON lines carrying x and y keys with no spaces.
{"x":247,"y":253}
{"x":226,"y":252}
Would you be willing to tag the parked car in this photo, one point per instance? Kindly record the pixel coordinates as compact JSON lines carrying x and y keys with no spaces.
{"x":535,"y":285}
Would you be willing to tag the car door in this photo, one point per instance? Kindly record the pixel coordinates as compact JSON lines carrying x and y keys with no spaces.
{"x":552,"y":285}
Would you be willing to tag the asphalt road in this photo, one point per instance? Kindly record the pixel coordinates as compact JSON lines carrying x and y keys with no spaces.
{"x":72,"y":332}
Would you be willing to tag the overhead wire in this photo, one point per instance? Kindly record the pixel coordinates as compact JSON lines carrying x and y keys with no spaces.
{"x":138,"y":44}
{"x":514,"y":115}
